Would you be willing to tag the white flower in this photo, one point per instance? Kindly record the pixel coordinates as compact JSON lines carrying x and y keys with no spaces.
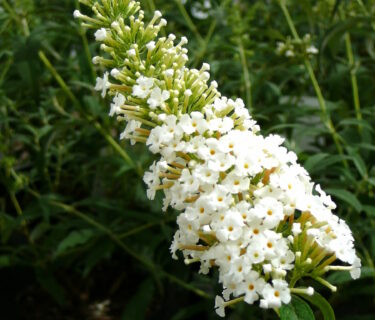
{"x":150,"y":46}
{"x":312,"y":50}
{"x":284,"y":261}
{"x":252,"y":287}
{"x":102,"y":84}
{"x":356,"y":271}
{"x":143,"y":87}
{"x":231,"y":227}
{"x":190,"y":183}
{"x":274,"y":295}
{"x":270,"y":210}
{"x":132,"y":53}
{"x":205,"y":176}
{"x":129,"y":130}
{"x":158,"y":97}
{"x":101,"y":34}
{"x":220,"y":198}
{"x":118,"y":101}
{"x":77,"y":14}
{"x":222,"y":125}
{"x":220,"y":306}
{"x":187,"y":124}
{"x":193,"y":122}
{"x":296,"y":228}
{"x":236,"y":183}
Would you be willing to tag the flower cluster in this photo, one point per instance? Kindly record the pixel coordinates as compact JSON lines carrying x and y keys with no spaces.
{"x":297,"y":49}
{"x":247,"y":207}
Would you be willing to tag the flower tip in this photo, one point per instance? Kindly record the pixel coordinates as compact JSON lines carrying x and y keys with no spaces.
{"x":96,"y":60}
{"x":310,"y":291}
{"x":132,"y":53}
{"x":115,"y":24}
{"x":157,"y":14}
{"x":77,"y":14}
{"x":220,"y":306}
{"x":184,"y":40}
{"x":101,"y":34}
{"x":263,"y":304}
{"x":115,"y":72}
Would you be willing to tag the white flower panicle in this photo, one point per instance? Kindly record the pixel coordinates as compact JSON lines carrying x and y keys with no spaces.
{"x":247,"y":207}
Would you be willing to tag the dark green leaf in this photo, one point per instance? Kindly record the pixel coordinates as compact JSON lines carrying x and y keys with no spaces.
{"x":340,"y":277}
{"x":346,"y":196}
{"x":136,"y":307}
{"x":312,"y":161}
{"x":297,"y":309}
{"x":49,"y":283}
{"x":4,"y":261}
{"x":75,"y":238}
{"x":319,"y":301}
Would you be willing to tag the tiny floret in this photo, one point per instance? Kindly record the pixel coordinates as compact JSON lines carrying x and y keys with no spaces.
{"x":101,"y":34}
{"x":77,"y":14}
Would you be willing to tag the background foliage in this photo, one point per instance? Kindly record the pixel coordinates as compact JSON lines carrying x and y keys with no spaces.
{"x":79,"y":239}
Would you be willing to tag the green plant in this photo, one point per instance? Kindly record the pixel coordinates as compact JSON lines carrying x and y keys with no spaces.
{"x":57,"y":150}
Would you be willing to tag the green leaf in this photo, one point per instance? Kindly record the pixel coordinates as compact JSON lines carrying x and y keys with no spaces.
{"x":319,"y":301}
{"x":329,"y":161}
{"x":366,"y":146}
{"x":356,"y":122}
{"x":346,"y":196}
{"x":371,"y":181}
{"x":48,"y":281}
{"x":136,"y":307}
{"x":360,"y":165}
{"x":297,"y":309}
{"x":75,"y":238}
{"x":4,"y":261}
{"x":358,"y":162}
{"x":370,"y":210}
{"x":312,"y":161}
{"x":340,"y":277}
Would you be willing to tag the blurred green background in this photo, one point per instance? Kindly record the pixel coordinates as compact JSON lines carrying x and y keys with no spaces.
{"x":79,"y":239}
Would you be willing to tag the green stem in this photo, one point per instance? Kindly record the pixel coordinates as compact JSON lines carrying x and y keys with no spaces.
{"x":5,"y":69}
{"x":204,"y":45}
{"x":365,"y":11}
{"x":325,"y":283}
{"x":277,"y":312}
{"x":294,"y":280}
{"x":16,"y":18}
{"x":19,"y":211}
{"x":58,"y":78}
{"x":289,"y":19}
{"x":353,"y":75}
{"x":326,"y":116}
{"x":115,"y":145}
{"x":97,"y":125}
{"x":153,"y":268}
{"x":86,"y":48}
{"x":16,"y":204}
{"x":151,"y":5}
{"x":188,"y":21}
{"x":144,"y":227}
{"x":246,"y":75}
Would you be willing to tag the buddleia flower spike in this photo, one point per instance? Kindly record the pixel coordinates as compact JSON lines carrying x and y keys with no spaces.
{"x":247,"y":207}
